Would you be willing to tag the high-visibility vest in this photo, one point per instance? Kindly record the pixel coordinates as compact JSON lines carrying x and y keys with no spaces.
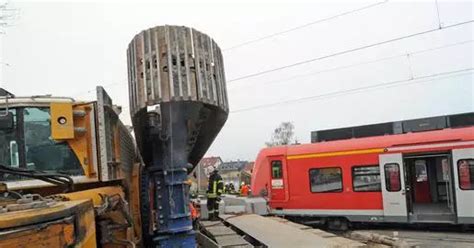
{"x":216,"y":186}
{"x":244,"y":191}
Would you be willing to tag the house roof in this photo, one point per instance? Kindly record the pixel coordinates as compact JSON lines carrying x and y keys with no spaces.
{"x":248,"y":167}
{"x":209,"y":161}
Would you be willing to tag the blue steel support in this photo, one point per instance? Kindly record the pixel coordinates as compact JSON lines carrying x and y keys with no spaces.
{"x":165,"y":192}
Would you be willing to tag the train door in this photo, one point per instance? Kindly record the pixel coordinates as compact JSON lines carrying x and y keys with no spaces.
{"x":393,"y":187}
{"x":429,"y":187}
{"x":463,"y":161}
{"x":278,"y":183}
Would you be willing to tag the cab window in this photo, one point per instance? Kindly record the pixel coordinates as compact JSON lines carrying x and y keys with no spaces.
{"x":277,"y":169}
{"x":42,"y":152}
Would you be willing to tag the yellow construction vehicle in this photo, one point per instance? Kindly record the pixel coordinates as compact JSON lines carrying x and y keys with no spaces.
{"x":68,"y":172}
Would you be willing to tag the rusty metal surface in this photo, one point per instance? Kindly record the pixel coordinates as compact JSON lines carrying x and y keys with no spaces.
{"x":35,"y":216}
{"x":58,"y":233}
{"x":67,"y":224}
{"x":174,"y":63}
{"x":116,"y":147}
{"x":92,"y":194}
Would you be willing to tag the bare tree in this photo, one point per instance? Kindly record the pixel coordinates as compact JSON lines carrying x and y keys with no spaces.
{"x":282,"y":135}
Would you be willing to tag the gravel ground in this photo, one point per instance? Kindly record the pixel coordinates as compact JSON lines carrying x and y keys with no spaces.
{"x":431,"y":238}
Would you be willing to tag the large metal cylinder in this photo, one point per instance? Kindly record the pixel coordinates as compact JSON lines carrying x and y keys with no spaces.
{"x":175,"y":63}
{"x":171,"y":64}
{"x":178,"y":104}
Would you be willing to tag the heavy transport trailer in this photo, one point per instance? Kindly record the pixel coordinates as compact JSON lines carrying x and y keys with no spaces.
{"x":87,"y":183}
{"x":407,"y":176}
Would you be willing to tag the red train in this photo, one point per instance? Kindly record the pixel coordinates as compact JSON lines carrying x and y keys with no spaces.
{"x":413,"y":177}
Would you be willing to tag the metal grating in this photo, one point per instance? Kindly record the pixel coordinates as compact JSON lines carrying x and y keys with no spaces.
{"x":113,"y":133}
{"x":174,"y":63}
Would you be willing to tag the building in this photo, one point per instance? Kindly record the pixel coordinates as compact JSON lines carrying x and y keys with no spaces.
{"x":231,"y":171}
{"x":200,"y":173}
{"x":246,"y":173}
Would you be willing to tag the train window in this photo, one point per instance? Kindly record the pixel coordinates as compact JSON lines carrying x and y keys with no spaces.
{"x":276,"y":169}
{"x":466,"y":174}
{"x":325,"y":180}
{"x":392,"y":177}
{"x":366,"y":178}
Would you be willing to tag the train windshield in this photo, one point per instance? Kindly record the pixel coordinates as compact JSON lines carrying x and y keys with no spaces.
{"x":28,"y":144}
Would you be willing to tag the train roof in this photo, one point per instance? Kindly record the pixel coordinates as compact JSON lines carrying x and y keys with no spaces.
{"x":395,"y":127}
{"x":387,"y":141}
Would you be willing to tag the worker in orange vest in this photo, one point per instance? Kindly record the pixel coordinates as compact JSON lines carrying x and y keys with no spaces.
{"x":244,"y":189}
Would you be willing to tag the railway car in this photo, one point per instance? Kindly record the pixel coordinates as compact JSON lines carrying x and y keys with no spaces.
{"x":417,"y":171}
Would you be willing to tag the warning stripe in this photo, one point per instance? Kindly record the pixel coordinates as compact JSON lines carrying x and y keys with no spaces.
{"x":333,"y":154}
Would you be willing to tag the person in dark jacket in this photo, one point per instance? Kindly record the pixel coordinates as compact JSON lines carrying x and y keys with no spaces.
{"x":214,"y":191}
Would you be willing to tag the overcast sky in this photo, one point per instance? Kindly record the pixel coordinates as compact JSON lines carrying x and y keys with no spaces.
{"x":67,"y":48}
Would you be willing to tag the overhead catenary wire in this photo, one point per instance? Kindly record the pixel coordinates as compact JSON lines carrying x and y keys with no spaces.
{"x":346,"y":51}
{"x":362,"y":63}
{"x":319,"y":58}
{"x":303,"y":26}
{"x":366,"y":62}
{"x":358,"y":89}
{"x":325,"y":70}
{"x":272,"y":35}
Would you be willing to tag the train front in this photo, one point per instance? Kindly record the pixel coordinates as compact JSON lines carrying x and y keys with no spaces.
{"x":178,"y":104}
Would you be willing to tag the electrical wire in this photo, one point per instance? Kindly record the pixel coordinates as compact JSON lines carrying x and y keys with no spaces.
{"x":365,"y":62}
{"x":355,"y":90}
{"x":355,"y":65}
{"x":346,"y":51}
{"x":321,"y":57}
{"x":53,"y":178}
{"x":302,"y":26}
